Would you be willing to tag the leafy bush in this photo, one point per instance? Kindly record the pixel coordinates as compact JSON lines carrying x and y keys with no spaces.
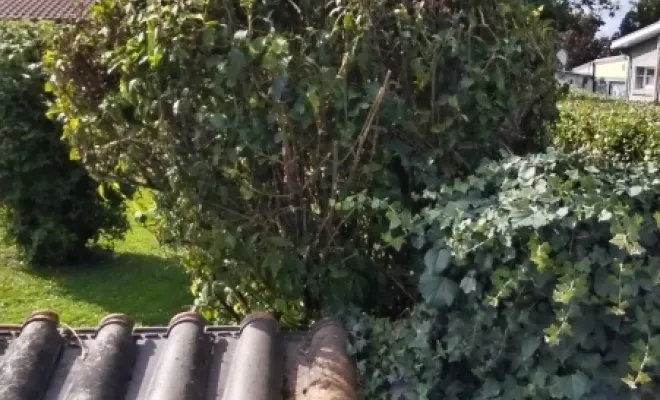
{"x":50,"y":204}
{"x":614,"y":129}
{"x":253,"y":123}
{"x":396,"y":359}
{"x":543,"y":273}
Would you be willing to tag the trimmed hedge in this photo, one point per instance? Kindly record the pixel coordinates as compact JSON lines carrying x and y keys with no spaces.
{"x":50,"y":204}
{"x":614,"y":129}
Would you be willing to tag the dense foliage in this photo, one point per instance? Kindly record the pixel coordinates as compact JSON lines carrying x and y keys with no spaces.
{"x":543,"y":275}
{"x":642,"y":13}
{"x":614,"y":129}
{"x":255,"y":123}
{"x":577,"y":23}
{"x":50,"y":205}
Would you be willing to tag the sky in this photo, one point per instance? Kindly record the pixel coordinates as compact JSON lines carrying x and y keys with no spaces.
{"x":612,"y":23}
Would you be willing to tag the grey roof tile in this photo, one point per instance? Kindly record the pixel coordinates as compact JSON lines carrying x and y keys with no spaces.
{"x":44,"y":9}
{"x":186,"y":360}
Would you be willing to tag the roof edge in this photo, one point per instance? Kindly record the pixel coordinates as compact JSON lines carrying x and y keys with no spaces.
{"x":332,"y":373}
{"x":636,"y":37}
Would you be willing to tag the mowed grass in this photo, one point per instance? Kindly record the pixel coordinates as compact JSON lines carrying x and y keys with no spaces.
{"x":139,"y":279}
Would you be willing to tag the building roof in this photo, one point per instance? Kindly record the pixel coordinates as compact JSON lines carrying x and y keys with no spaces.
{"x":187,"y":360}
{"x":639,"y":36}
{"x":44,"y":9}
{"x":621,"y":57}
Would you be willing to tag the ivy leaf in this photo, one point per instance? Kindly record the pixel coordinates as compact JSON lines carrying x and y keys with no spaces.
{"x":635,"y":191}
{"x":529,"y":346}
{"x":237,"y":62}
{"x":438,"y":291}
{"x":469,"y":284}
{"x":240,"y":35}
{"x":395,"y":220}
{"x":490,"y":389}
{"x":630,"y":381}
{"x":656,"y":216}
{"x":605,"y":215}
{"x":279,"y":83}
{"x":575,"y":386}
{"x":527,"y":173}
{"x":620,"y":240}
{"x":437,"y":260}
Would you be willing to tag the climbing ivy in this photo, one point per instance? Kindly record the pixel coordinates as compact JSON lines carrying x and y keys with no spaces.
{"x":543,"y":273}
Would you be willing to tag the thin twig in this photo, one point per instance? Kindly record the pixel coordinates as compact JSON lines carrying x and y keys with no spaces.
{"x":83,"y":347}
{"x":367,"y":125}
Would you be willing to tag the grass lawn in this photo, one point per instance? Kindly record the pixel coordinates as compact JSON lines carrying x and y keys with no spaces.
{"x":139,"y":280}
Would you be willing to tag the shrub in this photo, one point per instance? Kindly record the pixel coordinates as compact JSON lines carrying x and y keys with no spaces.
{"x":253,"y":123}
{"x":542,"y":273}
{"x":614,"y":129}
{"x":51,"y":206}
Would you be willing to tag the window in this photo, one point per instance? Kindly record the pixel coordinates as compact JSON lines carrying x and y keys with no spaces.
{"x":644,"y":77}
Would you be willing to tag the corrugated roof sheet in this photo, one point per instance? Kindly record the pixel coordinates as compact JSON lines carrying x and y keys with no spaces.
{"x":187,"y":360}
{"x":44,"y":9}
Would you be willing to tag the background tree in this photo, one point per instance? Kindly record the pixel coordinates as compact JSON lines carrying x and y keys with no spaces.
{"x":279,"y":137}
{"x":51,"y":206}
{"x":577,"y":23}
{"x":642,"y":14}
{"x":580,"y":41}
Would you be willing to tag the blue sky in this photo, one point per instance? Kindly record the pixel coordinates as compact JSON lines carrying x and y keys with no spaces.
{"x":612,"y":24}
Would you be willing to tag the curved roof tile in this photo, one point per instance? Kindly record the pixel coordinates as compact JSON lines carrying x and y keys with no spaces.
{"x":44,"y":9}
{"x":187,"y":360}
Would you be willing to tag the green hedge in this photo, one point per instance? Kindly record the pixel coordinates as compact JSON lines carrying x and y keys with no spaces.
{"x":614,"y":129}
{"x":51,"y":208}
{"x":254,"y":120}
{"x":541,"y":281}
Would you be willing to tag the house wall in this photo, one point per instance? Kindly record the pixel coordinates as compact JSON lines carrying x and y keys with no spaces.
{"x":642,"y":55}
{"x":615,"y":70}
{"x":575,"y":81}
{"x":586,"y":69}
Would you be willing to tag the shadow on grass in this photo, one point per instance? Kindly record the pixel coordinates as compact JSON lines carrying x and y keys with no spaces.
{"x":149,"y":288}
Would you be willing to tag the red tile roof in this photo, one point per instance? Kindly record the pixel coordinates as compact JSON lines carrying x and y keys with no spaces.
{"x":44,"y":9}
{"x":187,"y":360}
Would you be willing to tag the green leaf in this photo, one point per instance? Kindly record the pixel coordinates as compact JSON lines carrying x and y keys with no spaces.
{"x":605,"y":215}
{"x":395,"y":220}
{"x":176,"y":107}
{"x":218,"y":121}
{"x":101,"y":191}
{"x":529,"y":346}
{"x":279,"y":83}
{"x":575,"y":386}
{"x":635,"y":191}
{"x":620,"y":240}
{"x":438,"y":291}
{"x":629,"y":380}
{"x":468,"y":284}
{"x":527,"y":173}
{"x":240,"y":34}
{"x":437,"y":260}
{"x":237,"y":62}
